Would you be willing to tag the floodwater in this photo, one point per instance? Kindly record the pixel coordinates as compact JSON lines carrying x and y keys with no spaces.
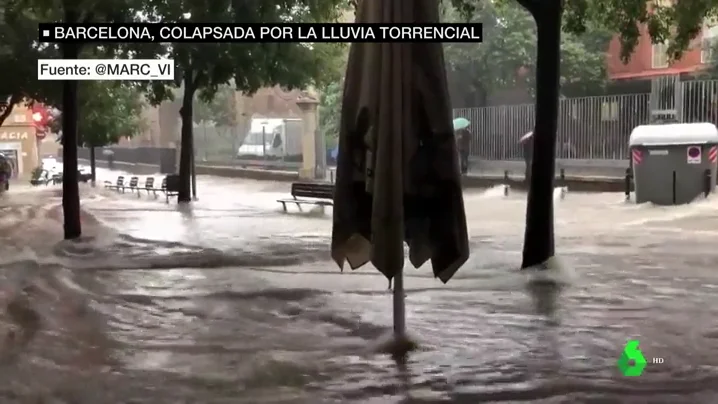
{"x":234,"y":301}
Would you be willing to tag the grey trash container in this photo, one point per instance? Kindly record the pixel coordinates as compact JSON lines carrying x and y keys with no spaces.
{"x":671,"y":163}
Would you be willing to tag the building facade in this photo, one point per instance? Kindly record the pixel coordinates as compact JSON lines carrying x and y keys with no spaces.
{"x":19,"y":142}
{"x":652,"y":60}
{"x":162,"y":123}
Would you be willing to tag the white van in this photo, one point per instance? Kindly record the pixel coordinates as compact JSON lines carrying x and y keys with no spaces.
{"x":277,"y":138}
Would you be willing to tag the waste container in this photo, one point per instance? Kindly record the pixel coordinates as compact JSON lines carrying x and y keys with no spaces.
{"x":673,"y":163}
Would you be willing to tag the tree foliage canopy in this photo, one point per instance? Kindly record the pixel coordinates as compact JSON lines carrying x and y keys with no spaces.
{"x":108,"y":111}
{"x":675,"y":22}
{"x":250,"y":66}
{"x":507,"y":57}
{"x":19,"y":49}
{"x":220,"y":110}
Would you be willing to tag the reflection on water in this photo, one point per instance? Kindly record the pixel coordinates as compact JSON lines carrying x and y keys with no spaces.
{"x":235,"y":301}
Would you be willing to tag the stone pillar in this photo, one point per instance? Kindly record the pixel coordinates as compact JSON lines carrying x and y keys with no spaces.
{"x":308,"y":105}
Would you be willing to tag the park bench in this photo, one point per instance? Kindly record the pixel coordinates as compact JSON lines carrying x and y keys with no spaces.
{"x":84,"y":177}
{"x":120,"y":184}
{"x":150,"y":186}
{"x":321,"y":194}
{"x":56,"y":179}
{"x":170,"y":186}
{"x":134,"y":185}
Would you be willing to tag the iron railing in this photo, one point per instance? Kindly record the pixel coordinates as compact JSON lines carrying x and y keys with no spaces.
{"x":589,"y":128}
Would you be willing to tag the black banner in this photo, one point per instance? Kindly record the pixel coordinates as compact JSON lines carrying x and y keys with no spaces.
{"x":208,"y":32}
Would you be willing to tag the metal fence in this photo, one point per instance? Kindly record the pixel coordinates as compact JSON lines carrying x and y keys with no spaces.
{"x":589,"y":128}
{"x":216,"y":143}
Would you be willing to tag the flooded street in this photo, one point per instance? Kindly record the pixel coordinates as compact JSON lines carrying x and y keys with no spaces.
{"x":234,"y":301}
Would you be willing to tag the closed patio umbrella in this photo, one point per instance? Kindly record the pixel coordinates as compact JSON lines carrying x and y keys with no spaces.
{"x":398,"y":167}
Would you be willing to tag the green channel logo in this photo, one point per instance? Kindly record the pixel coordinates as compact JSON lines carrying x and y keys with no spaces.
{"x":632,"y":362}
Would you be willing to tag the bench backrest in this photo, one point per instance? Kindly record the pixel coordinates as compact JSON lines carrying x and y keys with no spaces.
{"x":313,"y":190}
{"x":134,"y":181}
{"x":120,"y":180}
{"x":150,"y":182}
{"x":173,"y":183}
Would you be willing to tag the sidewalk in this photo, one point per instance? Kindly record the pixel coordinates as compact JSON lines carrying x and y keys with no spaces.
{"x":482,"y":175}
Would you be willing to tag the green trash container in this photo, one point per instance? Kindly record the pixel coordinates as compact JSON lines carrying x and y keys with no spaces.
{"x":673,"y":164}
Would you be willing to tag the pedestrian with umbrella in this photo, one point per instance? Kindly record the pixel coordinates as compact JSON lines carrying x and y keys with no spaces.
{"x":463,"y":141}
{"x":527,"y":141}
{"x":398,"y":171}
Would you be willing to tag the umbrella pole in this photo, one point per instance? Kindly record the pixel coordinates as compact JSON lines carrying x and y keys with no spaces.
{"x":399,"y":306}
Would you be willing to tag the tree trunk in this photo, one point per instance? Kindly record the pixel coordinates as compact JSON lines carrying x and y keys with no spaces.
{"x":187,"y":143}
{"x":539,"y":243}
{"x":70,"y":186}
{"x":93,"y":165}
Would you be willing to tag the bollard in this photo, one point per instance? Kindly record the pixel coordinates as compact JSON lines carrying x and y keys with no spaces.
{"x":628,"y":184}
{"x":675,"y":199}
{"x":707,"y":182}
{"x":506,"y":185}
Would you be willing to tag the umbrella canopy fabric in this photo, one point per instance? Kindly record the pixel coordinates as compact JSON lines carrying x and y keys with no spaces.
{"x":398,"y":167}
{"x":526,"y":137}
{"x":461,"y":123}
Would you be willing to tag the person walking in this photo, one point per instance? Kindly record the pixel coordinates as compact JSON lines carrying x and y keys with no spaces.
{"x":463,"y":139}
{"x":527,"y":141}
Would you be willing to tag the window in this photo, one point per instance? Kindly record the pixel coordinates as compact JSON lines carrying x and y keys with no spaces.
{"x":709,"y":46}
{"x":256,"y":139}
{"x":659,"y":59}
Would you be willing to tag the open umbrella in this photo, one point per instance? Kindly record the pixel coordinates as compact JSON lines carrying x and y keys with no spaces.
{"x":461,"y":123}
{"x":526,"y":137}
{"x":398,"y":167}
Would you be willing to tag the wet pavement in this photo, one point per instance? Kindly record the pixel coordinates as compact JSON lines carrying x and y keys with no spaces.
{"x":234,"y":301}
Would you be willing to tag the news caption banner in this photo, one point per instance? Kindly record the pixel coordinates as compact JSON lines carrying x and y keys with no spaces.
{"x":105,"y":69}
{"x":286,"y":32}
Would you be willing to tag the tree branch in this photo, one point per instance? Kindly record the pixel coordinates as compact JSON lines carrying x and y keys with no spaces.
{"x":9,"y":108}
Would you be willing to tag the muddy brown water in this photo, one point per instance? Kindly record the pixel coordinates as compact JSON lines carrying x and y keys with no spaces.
{"x":234,"y":301}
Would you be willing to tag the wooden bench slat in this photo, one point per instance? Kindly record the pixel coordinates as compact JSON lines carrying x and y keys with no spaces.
{"x":321,"y":194}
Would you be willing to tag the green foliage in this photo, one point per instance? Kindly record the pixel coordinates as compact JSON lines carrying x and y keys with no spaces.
{"x":507,"y":57}
{"x":19,"y":49}
{"x":203,"y":69}
{"x":18,"y":58}
{"x":330,"y":107}
{"x":108,"y":111}
{"x":220,"y":111}
{"x":679,"y":23}
{"x":208,"y":66}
